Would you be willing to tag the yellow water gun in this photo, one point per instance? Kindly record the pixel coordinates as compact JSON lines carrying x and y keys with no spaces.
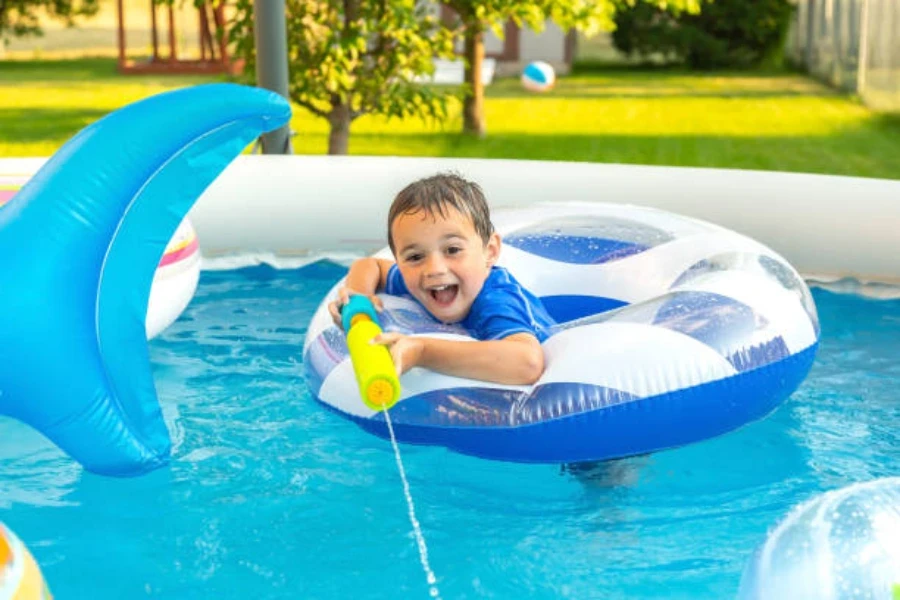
{"x":379,"y":385}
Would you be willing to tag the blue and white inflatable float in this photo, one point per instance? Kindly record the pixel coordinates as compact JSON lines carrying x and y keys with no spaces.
{"x":672,"y":330}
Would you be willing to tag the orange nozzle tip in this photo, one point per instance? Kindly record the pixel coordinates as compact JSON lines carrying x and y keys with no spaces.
{"x":380,"y":393}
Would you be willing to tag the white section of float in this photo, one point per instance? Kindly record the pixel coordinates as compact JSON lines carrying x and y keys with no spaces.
{"x":174,"y":284}
{"x":828,"y":227}
{"x":626,"y":352}
{"x":659,"y":266}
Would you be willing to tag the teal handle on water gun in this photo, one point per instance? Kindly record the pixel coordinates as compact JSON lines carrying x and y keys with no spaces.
{"x":358,"y":305}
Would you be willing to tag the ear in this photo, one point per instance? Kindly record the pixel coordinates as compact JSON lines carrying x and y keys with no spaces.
{"x":492,"y":249}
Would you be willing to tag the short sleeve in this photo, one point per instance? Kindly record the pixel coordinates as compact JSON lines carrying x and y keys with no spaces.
{"x":501,"y":313}
{"x":504,"y":308}
{"x":394,"y":284}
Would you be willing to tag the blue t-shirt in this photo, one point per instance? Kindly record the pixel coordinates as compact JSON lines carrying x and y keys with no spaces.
{"x":503,"y":307}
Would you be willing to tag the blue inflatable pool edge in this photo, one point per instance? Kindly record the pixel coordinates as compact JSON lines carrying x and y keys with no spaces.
{"x":87,"y":232}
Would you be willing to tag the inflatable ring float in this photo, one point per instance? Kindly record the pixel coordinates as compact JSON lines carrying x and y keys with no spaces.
{"x":671,"y":330}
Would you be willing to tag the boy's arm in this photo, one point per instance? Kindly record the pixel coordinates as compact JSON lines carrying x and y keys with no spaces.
{"x":367,"y":276}
{"x":514,"y":360}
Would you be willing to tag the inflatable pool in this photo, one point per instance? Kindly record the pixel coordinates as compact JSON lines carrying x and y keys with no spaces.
{"x":117,"y":191}
{"x":671,"y":331}
{"x":176,"y":277}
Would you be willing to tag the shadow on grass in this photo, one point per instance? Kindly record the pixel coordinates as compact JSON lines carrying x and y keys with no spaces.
{"x":670,"y":84}
{"x":869,"y":150}
{"x":57,"y":70}
{"x":45,"y":125}
{"x":645,"y":67}
{"x":673,"y":93}
{"x":85,"y":71}
{"x":888,"y":121}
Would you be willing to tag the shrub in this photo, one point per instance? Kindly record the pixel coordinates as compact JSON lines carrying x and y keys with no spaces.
{"x":725,"y":34}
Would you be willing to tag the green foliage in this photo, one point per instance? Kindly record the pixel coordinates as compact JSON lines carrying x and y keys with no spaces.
{"x":477,"y":16}
{"x":20,"y":18}
{"x":356,"y":57}
{"x":589,"y":16}
{"x":724,"y":34}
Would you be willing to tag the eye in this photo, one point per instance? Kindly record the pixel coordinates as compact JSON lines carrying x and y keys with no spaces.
{"x":454,"y":250}
{"x":413,"y":257}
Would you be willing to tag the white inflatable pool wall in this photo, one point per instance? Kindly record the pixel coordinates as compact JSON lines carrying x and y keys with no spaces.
{"x":286,"y":207}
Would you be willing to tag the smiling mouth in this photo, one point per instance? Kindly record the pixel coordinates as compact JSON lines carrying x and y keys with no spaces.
{"x":444,"y":295}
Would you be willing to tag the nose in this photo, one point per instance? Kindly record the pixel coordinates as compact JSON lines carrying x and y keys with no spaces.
{"x":434,"y":265}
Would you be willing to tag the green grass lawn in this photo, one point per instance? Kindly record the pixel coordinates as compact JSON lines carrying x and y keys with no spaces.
{"x":771,"y":121}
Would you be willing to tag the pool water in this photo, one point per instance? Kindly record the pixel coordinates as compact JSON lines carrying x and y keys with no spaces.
{"x":269,"y":495}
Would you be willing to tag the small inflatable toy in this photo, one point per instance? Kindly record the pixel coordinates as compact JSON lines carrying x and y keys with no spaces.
{"x":671,"y":331}
{"x":175,"y":280}
{"x":20,"y":576}
{"x":538,"y":76}
{"x":379,"y":386}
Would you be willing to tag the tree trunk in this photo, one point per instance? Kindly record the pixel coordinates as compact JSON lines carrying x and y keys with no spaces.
{"x":339,"y":136}
{"x":473,"y":105}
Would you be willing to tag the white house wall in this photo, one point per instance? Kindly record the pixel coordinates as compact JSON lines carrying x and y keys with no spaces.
{"x":549,"y":45}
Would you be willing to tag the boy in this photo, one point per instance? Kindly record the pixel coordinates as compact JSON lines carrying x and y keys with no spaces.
{"x":440,"y":232}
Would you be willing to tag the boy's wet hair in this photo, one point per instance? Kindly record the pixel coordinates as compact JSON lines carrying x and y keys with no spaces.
{"x":435,"y":194}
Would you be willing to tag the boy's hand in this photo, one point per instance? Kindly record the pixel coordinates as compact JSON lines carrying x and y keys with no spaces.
{"x":405,"y":351}
{"x":343,"y":297}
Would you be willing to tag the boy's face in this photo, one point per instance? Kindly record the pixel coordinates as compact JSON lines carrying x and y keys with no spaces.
{"x":443,"y":261}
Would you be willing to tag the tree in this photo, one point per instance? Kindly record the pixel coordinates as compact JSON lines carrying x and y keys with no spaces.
{"x":725,"y":34}
{"x":354,"y":57}
{"x":20,"y":18}
{"x":478,"y":16}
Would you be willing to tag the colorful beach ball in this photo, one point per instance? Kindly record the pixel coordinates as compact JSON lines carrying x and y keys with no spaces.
{"x":20,"y":577}
{"x":538,"y":76}
{"x":841,"y":545}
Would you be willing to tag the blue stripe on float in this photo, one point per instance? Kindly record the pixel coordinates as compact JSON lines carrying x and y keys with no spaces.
{"x":565,"y":308}
{"x":573,"y":249}
{"x":757,"y":356}
{"x":623,"y":429}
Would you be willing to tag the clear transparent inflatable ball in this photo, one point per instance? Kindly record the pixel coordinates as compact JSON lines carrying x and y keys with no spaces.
{"x":844,"y":544}
{"x":538,"y":76}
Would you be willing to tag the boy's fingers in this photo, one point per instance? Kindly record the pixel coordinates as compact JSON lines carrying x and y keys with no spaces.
{"x":385,"y":339}
{"x":376,"y":302}
{"x":335,"y":314}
